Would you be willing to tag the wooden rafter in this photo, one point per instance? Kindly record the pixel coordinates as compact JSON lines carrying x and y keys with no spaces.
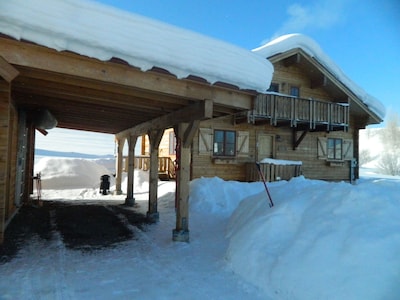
{"x":198,"y":111}
{"x":7,"y":71}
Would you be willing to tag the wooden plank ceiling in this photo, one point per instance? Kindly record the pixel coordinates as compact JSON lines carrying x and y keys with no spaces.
{"x":109,"y":97}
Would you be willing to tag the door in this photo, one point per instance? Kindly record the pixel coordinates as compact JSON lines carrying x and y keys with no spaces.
{"x":265,"y":146}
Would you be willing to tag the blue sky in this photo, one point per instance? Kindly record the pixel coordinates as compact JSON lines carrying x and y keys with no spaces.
{"x":361,"y":36}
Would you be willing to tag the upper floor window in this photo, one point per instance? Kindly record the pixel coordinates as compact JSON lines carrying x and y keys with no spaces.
{"x":274,"y":87}
{"x":295,"y":91}
{"x":224,"y":143}
{"x":334,"y":148}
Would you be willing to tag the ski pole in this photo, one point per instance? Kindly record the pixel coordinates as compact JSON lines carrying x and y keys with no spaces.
{"x":271,"y":204}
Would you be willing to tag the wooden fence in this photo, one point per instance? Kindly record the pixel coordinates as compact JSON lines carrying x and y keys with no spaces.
{"x":166,"y":166}
{"x":298,"y":110}
{"x":272,"y":172}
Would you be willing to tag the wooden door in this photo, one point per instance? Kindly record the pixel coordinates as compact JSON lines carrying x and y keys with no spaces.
{"x":265,"y":146}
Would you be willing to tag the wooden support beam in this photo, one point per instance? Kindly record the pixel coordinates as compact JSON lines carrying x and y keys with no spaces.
{"x":297,"y":141}
{"x":130,"y":200}
{"x":190,"y":132}
{"x":198,"y":111}
{"x":155,"y":137}
{"x":7,"y":71}
{"x":118,"y":165}
{"x":183,"y":156}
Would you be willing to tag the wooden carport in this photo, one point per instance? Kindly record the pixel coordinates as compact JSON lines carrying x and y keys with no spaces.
{"x":100,"y":96}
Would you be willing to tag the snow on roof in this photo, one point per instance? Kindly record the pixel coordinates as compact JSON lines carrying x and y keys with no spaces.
{"x":308,"y":45}
{"x":103,"y":32}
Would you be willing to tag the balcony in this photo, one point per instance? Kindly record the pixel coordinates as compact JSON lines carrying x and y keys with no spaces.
{"x":310,"y":114}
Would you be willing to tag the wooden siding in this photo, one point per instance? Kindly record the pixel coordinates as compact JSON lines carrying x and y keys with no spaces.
{"x":8,"y":128}
{"x":307,"y":152}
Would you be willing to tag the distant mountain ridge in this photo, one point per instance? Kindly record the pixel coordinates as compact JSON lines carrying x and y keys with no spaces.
{"x":42,"y":152}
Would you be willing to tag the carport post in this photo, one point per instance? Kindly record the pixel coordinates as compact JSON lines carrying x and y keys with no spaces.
{"x":184,"y":133}
{"x":118,"y":167}
{"x":130,"y":200}
{"x":155,"y":137}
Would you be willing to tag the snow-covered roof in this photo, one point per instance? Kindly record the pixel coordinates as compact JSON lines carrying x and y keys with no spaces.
{"x":103,"y":32}
{"x":308,"y":45}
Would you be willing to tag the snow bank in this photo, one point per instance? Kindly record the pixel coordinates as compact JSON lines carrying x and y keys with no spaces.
{"x":216,"y":196}
{"x":69,"y":173}
{"x":103,"y":32}
{"x":308,"y":45}
{"x":320,"y":241}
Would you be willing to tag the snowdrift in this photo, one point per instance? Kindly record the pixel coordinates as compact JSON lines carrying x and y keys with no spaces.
{"x":321,"y":240}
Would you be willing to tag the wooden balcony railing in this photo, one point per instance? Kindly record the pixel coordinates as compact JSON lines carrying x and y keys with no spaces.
{"x":279,"y":108}
{"x":166,"y":166}
{"x":273,"y":171}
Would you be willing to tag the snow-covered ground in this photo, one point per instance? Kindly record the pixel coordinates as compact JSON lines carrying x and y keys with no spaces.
{"x":321,"y":240}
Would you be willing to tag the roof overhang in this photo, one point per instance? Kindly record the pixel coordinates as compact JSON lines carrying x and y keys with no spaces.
{"x":321,"y":76}
{"x":106,"y":96}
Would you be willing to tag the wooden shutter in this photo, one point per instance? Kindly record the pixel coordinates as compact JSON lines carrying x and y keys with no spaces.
{"x":322,"y":148}
{"x":242,"y":143}
{"x":205,"y":141}
{"x":348,"y":149}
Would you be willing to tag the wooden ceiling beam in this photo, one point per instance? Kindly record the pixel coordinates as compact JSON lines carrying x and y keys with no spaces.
{"x":7,"y":71}
{"x":28,"y":76}
{"x":198,"y":111}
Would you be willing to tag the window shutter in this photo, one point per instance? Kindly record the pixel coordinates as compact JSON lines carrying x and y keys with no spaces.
{"x":322,"y":148}
{"x":243,"y":143}
{"x":347,"y":149}
{"x":205,"y":141}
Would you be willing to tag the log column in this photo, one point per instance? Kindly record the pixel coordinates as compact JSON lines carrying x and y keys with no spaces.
{"x":184,"y":134}
{"x":130,"y":200}
{"x":154,"y":139}
{"x":118,"y":165}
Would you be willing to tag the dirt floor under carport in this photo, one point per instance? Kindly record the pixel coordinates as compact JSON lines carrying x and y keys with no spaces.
{"x":83,"y":226}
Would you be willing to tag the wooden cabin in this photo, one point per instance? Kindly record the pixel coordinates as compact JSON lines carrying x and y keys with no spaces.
{"x":223,"y":121}
{"x":307,"y":116}
{"x":111,"y":79}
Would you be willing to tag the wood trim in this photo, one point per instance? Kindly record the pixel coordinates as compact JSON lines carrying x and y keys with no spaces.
{"x":198,"y":111}
{"x":7,"y":71}
{"x":38,"y":57}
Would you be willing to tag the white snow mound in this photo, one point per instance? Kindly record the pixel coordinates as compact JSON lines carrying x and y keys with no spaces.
{"x":69,"y":173}
{"x":320,"y":241}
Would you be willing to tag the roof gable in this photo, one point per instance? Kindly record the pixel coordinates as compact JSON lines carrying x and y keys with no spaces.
{"x":288,"y":45}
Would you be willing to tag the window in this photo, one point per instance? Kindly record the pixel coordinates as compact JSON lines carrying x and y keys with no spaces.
{"x":335,"y":148}
{"x":274,"y":87}
{"x":295,"y":91}
{"x":224,"y":143}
